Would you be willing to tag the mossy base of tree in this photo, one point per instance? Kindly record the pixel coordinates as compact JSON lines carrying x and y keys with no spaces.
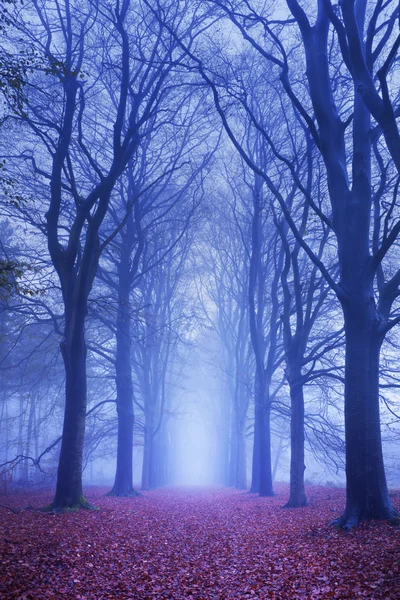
{"x":81,"y":503}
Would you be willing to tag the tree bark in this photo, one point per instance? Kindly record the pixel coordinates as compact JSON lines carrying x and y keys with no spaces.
{"x":297,"y":496}
{"x":241,"y":470}
{"x":29,"y":434}
{"x":266,"y":487}
{"x":160,"y":474}
{"x":233,"y":451}
{"x":237,"y":466}
{"x":255,"y":464}
{"x":261,"y":468}
{"x":366,"y":494}
{"x":123,"y":483}
{"x":69,"y":493}
{"x":147,"y":466}
{"x":224,"y":440}
{"x":262,"y":472}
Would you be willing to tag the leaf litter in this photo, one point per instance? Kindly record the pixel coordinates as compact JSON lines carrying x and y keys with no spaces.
{"x":195,"y":544}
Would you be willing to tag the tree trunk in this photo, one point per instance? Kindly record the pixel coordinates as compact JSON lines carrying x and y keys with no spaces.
{"x":366,"y":494}
{"x":237,"y":466}
{"x":123,"y":484}
{"x":297,"y":497}
{"x":160,"y":460}
{"x":69,"y":476}
{"x":29,"y":435}
{"x":233,"y":450}
{"x":223,"y":437}
{"x":261,"y":471}
{"x":255,"y":465}
{"x":20,"y":468}
{"x":241,"y":470}
{"x":266,"y":488}
{"x":159,"y":475}
{"x":147,"y":459}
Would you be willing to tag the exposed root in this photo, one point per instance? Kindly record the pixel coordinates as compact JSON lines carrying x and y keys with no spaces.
{"x":345,"y":523}
{"x":14,"y":510}
{"x":17,"y":510}
{"x":351,"y":519}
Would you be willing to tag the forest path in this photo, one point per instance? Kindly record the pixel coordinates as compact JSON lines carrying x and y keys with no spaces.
{"x":195,"y":543}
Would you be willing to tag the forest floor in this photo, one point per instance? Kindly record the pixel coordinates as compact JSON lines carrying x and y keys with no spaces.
{"x":214,"y":544}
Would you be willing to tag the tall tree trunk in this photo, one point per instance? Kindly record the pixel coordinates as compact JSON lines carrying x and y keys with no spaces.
{"x":159,"y":476}
{"x":255,"y":464}
{"x":36,"y":420}
{"x":237,"y":466}
{"x":29,"y":435}
{"x":266,"y":488}
{"x":69,"y":476}
{"x":20,"y":436}
{"x":297,"y":497}
{"x":224,"y":440}
{"x":123,"y":483}
{"x":147,"y":466}
{"x":261,"y":468}
{"x":233,"y":450}
{"x":7,"y":430}
{"x":3,"y":422}
{"x":159,"y":460}
{"x":366,"y":494}
{"x":241,"y":466}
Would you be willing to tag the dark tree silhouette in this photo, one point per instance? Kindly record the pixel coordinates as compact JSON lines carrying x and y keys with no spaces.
{"x":360,"y":254}
{"x":81,"y":180}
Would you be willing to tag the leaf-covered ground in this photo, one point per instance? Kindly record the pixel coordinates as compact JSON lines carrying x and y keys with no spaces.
{"x":195,"y":544}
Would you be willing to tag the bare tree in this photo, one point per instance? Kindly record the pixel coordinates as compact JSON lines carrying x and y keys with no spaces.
{"x":340,"y":127}
{"x":87,"y":116}
{"x":225,"y":261}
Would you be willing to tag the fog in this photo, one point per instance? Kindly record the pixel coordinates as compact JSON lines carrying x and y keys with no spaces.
{"x":195,"y":453}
